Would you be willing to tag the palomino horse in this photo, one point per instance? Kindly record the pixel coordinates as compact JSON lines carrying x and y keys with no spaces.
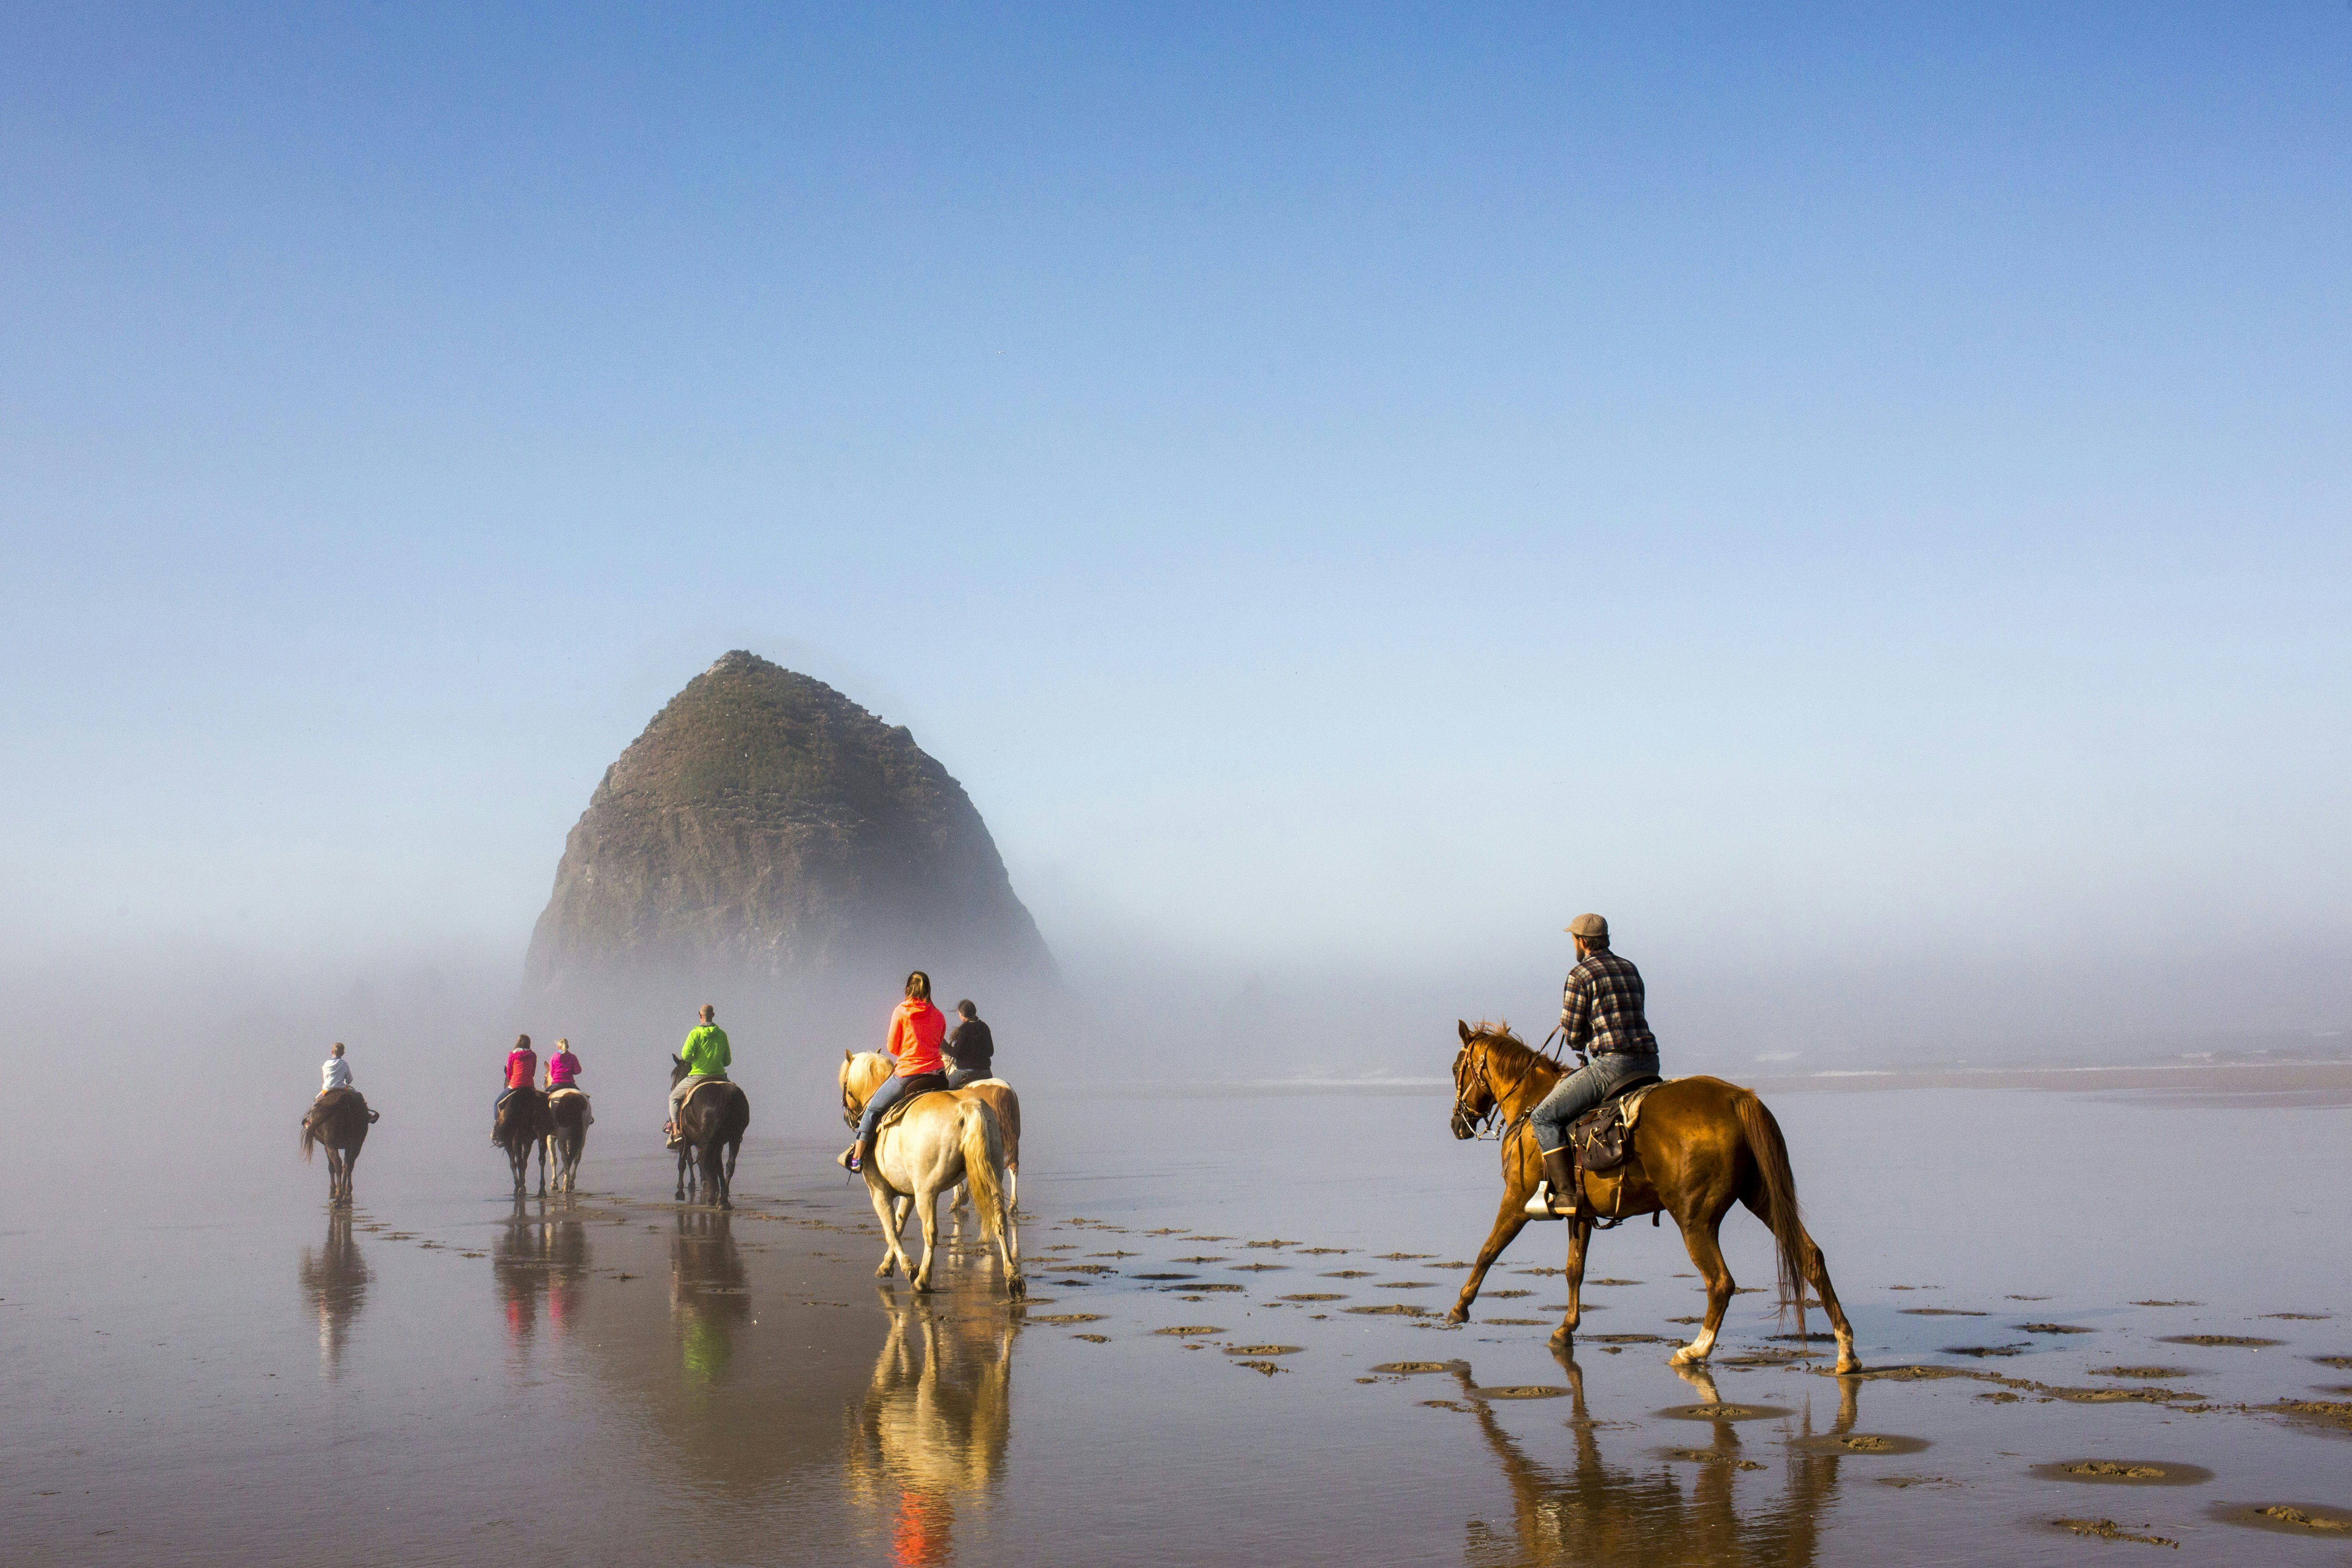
{"x":710,"y":1128}
{"x":522,"y":1125}
{"x":868,"y":1072}
{"x":567,"y":1138}
{"x":944,"y":1138}
{"x":1700,"y":1145}
{"x":338,"y":1119}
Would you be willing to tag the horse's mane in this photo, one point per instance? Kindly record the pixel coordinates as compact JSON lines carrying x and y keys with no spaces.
{"x":1497,"y":1035}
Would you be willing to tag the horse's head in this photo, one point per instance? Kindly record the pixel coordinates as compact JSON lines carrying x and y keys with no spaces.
{"x":1474,"y":1095}
{"x":677,"y":1070}
{"x":862,"y":1073}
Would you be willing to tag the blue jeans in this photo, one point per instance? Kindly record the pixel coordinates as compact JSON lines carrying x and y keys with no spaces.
{"x":1582,"y":1089}
{"x":890,"y":1094}
{"x":959,"y":1077}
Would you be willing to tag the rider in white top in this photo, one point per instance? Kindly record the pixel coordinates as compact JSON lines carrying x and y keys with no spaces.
{"x":337,"y":1072}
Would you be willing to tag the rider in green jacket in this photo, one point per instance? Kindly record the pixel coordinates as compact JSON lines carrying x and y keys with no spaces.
{"x":707,"y":1059}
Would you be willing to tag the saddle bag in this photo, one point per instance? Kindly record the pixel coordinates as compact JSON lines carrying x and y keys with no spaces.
{"x":1603,"y":1136}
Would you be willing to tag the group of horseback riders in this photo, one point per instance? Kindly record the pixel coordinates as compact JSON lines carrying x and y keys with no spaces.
{"x":928,"y":1056}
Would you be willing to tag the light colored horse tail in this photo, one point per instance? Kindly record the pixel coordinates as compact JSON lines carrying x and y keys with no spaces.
{"x":984,"y":1165}
{"x":1789,"y":1242}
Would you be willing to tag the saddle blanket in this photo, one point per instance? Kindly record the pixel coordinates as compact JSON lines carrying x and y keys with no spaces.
{"x":697,"y":1089}
{"x":898,"y":1111}
{"x":1603,"y":1136}
{"x":555,"y":1094}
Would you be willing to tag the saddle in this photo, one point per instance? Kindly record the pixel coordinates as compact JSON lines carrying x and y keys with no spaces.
{"x":1603,"y":1138}
{"x":555,"y":1094}
{"x":689,"y":1100}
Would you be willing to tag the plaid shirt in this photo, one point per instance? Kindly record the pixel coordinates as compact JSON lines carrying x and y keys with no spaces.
{"x":1600,"y":1008}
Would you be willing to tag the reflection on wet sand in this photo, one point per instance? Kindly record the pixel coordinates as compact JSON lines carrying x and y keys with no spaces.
{"x":334,"y":1279}
{"x":931,"y":1430}
{"x":541,"y":1262}
{"x":1597,"y":1513}
{"x":710,"y":1298}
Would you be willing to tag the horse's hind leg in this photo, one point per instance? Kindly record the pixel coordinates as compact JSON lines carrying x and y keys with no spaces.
{"x":1699,"y":1237}
{"x":926,"y":1204}
{"x":1817,"y":1275}
{"x":1580,"y":1247}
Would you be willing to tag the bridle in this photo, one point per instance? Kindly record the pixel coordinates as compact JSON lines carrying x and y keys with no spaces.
{"x":1469,"y":1123}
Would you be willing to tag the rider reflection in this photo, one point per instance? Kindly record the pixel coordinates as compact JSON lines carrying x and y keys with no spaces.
{"x":539,"y":1264}
{"x":933,"y":1427}
{"x":334,"y":1278}
{"x":710,"y":1295}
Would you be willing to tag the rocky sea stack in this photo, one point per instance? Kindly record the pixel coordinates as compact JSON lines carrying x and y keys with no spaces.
{"x":768,"y":838}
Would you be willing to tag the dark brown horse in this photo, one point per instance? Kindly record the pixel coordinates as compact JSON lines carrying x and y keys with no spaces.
{"x":1699,"y":1146}
{"x":523,"y":1125}
{"x":339,"y":1121}
{"x":568,"y":1140}
{"x":710,"y":1128}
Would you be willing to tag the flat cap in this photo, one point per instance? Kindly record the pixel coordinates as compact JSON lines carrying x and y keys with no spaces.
{"x":1587,"y":926}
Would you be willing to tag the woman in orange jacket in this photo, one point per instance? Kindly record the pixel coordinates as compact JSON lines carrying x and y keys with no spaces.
{"x":916,"y":1030}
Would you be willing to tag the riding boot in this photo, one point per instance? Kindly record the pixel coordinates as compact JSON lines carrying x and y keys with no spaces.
{"x":1559,"y":1192}
{"x":671,"y":1137}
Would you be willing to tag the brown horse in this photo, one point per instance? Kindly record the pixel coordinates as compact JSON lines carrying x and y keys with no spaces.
{"x":567,"y":1139}
{"x":339,"y":1120}
{"x":710,"y":1128}
{"x":523,"y":1125}
{"x":1700,"y":1145}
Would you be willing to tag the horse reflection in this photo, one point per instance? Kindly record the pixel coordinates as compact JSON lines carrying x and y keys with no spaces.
{"x":1606,"y":1516}
{"x":931,"y":1430}
{"x":334,"y":1279}
{"x":709,"y":1294}
{"x":540,"y":1265}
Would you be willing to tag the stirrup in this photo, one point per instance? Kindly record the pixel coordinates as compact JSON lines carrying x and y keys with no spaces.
{"x":1539,"y":1204}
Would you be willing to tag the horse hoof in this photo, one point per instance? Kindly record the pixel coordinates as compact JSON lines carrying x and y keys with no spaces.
{"x":1849,"y":1364}
{"x":1561,"y":1338}
{"x":1684,"y":1356}
{"x":1019,"y":1288}
{"x":1458,"y":1315}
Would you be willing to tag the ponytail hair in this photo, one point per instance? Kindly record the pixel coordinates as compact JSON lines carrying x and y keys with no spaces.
{"x":918,"y":987}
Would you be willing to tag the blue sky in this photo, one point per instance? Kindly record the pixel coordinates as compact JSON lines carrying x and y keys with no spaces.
{"x":1858,"y":494}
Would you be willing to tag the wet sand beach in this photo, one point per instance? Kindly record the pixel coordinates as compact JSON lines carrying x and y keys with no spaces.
{"x":2075,"y":1344}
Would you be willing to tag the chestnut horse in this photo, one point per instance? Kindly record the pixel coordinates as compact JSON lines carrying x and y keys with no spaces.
{"x":339,"y":1120}
{"x":710,"y":1128}
{"x":521,"y":1126}
{"x":1699,"y":1146}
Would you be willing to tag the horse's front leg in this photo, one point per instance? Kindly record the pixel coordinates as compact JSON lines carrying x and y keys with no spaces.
{"x":1510,"y":1220}
{"x":888,"y":1211}
{"x":1580,"y":1242}
{"x":685,"y":1155}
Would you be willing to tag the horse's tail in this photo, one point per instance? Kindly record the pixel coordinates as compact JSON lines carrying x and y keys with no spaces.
{"x":310,"y":1135}
{"x":1789,"y":1239}
{"x":984,"y":1165}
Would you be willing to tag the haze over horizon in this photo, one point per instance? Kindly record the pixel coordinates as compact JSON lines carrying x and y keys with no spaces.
{"x":1858,"y":497}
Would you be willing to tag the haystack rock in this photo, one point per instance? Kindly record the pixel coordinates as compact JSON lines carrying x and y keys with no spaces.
{"x":768,"y":837}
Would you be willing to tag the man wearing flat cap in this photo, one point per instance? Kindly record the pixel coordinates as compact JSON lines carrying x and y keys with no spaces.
{"x":1599,"y":1012}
